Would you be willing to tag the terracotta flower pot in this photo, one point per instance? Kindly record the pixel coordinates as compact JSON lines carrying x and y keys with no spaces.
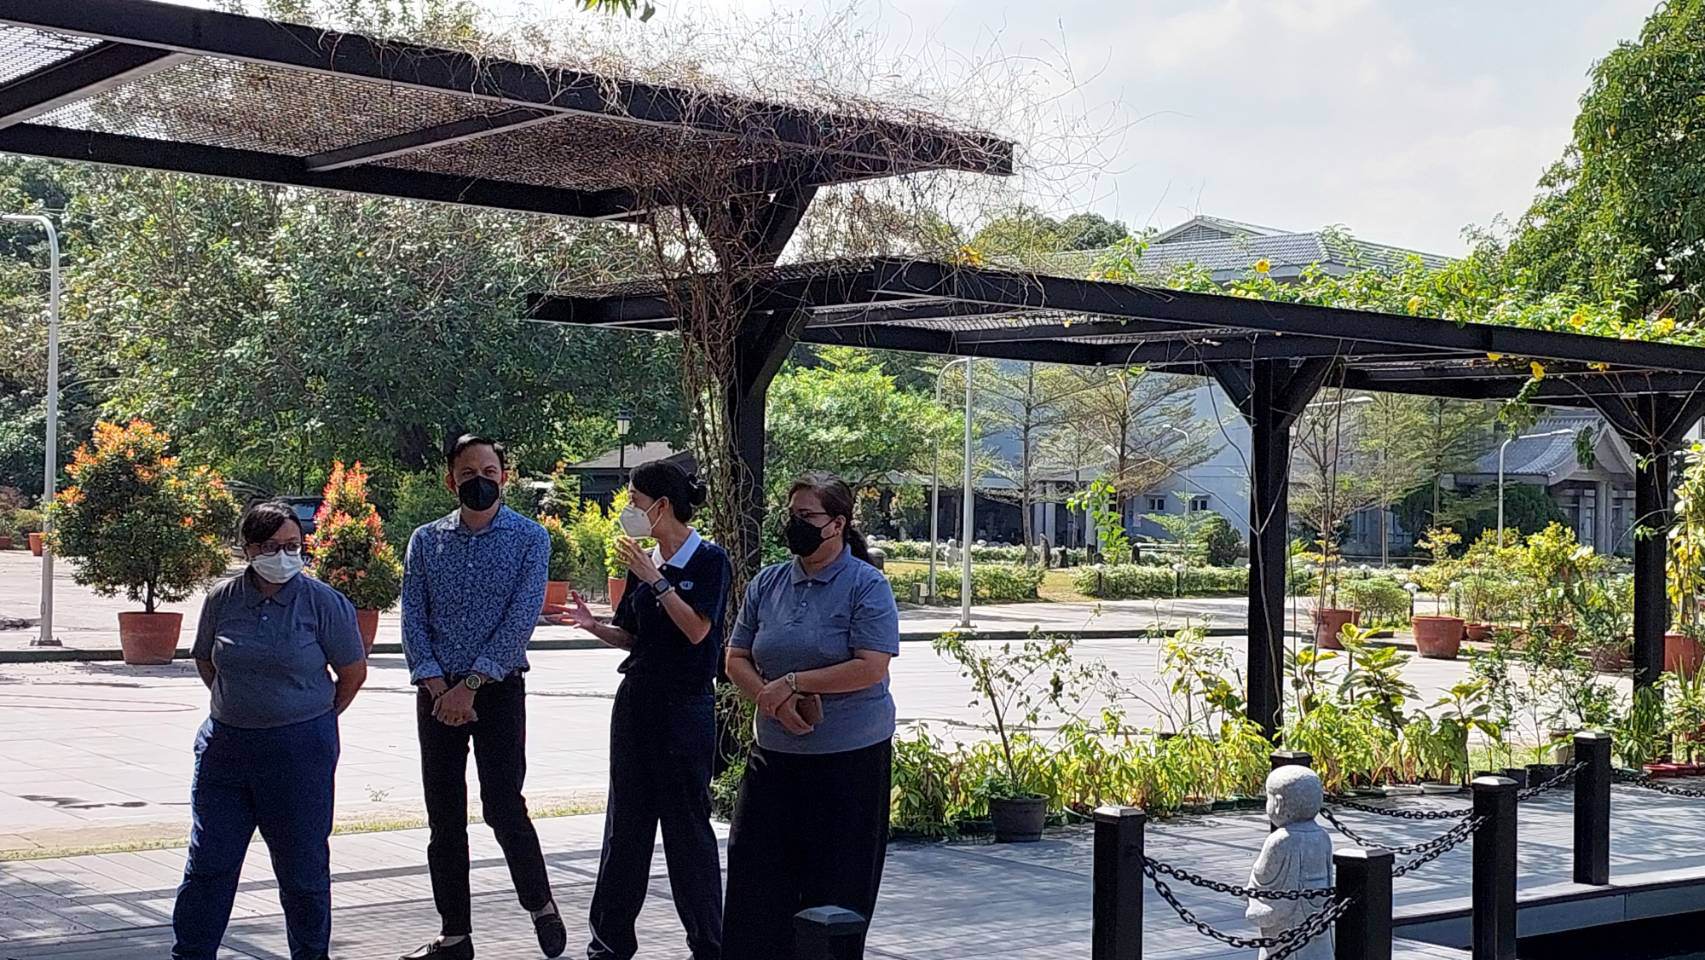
{"x":1479,"y":632}
{"x":1438,"y":638}
{"x":1612,"y":659}
{"x":5,"y":541}
{"x":556,"y":592}
{"x":617,"y":588}
{"x":1682,"y":653}
{"x":36,"y":544}
{"x":367,"y":621}
{"x":1328,"y":622}
{"x":149,"y":639}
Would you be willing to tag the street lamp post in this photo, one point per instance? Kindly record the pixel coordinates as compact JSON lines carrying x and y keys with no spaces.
{"x":935,"y":475}
{"x":969,"y":498}
{"x":624,"y":423}
{"x":51,"y":460}
{"x":1501,"y":448}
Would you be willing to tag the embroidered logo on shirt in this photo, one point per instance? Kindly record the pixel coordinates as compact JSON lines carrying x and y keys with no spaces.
{"x":685,"y":585}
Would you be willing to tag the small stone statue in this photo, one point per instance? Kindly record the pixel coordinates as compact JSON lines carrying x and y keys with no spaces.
{"x":1296,"y":856}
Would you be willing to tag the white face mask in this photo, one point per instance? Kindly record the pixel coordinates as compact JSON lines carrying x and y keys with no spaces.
{"x":636,"y":523}
{"x":277,"y":568}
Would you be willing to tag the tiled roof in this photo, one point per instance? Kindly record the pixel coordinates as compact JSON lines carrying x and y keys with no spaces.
{"x":635,"y":455}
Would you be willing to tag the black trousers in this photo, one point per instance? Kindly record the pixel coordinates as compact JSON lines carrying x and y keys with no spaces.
{"x":662,"y":745}
{"x":810,"y":830}
{"x":499,"y":739}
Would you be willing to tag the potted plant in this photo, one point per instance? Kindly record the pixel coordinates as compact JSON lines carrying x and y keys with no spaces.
{"x":560,"y":578}
{"x":11,"y":504}
{"x":1024,"y":688}
{"x":29,"y":524}
{"x":615,"y":571}
{"x":1438,"y":637}
{"x":349,"y":550}
{"x":1329,"y":618}
{"x":1686,"y":566}
{"x":137,"y":521}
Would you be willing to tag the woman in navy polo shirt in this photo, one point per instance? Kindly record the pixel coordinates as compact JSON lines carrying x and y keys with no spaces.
{"x":812,"y":646}
{"x":663,"y":724}
{"x":271,"y":640}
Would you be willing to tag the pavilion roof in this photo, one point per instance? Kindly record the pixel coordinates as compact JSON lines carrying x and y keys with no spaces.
{"x":149,"y":84}
{"x":930,"y":307}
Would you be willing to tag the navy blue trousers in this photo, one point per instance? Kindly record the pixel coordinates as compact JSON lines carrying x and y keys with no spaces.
{"x":279,"y":780}
{"x":662,"y":744}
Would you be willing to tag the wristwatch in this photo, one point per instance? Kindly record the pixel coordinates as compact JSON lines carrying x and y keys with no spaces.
{"x":792,"y":681}
{"x":662,"y":587}
{"x":473,"y":681}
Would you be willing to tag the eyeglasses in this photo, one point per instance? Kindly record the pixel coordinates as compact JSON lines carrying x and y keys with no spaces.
{"x":274,"y":549}
{"x":810,"y":515}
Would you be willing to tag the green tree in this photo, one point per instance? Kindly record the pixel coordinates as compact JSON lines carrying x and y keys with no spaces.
{"x":846,"y":416}
{"x":1621,"y":216}
{"x":1129,"y":414}
{"x":1091,"y":231}
{"x":1396,"y":463}
{"x":1028,"y":401}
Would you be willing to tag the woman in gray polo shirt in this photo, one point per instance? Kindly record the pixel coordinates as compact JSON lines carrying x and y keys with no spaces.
{"x":811,"y":647}
{"x":268,"y":645}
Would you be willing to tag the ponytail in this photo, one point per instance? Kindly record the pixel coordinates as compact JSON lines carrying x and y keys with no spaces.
{"x":856,"y":542}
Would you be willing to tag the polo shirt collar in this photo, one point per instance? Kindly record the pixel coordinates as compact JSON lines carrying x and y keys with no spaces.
{"x":502,"y":520}
{"x":252,"y":596}
{"x":682,"y":556}
{"x":825,"y":575}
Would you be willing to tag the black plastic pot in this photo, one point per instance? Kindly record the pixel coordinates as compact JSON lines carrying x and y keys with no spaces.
{"x":1018,"y":819}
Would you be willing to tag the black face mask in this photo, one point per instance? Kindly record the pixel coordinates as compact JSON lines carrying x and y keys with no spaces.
{"x":478,"y":493}
{"x":803,"y":537}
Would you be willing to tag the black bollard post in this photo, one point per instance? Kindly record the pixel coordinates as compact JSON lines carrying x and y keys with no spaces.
{"x":1291,"y":758}
{"x":1592,"y":808}
{"x":1494,"y":885}
{"x":1117,"y":924}
{"x":828,"y":933}
{"x":1364,"y":930}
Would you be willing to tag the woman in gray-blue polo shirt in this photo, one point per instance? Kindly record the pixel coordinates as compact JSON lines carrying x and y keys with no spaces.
{"x":269,"y":643}
{"x":811,"y":647}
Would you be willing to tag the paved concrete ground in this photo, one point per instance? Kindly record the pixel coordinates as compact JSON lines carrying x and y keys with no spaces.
{"x":939,"y":902}
{"x":99,"y":753}
{"x":85,"y":621}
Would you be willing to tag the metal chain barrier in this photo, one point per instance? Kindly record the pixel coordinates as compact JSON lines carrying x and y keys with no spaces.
{"x":1401,"y":851}
{"x":1443,"y":845}
{"x":1349,"y":804}
{"x":1646,"y":782}
{"x":1282,"y":945}
{"x":1240,"y":893}
{"x":1530,"y":792}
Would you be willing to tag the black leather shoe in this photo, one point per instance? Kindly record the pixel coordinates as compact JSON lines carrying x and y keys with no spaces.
{"x":553,"y":936}
{"x":433,"y":950}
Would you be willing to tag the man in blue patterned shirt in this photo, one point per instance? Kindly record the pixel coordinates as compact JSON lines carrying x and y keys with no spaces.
{"x":473,"y":587}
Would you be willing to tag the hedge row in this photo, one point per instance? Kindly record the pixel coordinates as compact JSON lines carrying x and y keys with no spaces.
{"x":990,"y":583}
{"x":1132,"y":582}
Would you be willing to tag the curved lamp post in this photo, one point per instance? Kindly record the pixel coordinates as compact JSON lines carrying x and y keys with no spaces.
{"x":51,"y":460}
{"x":968,"y":505}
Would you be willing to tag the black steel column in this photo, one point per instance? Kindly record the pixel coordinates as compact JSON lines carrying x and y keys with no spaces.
{"x":1651,"y":598}
{"x":1364,"y":930}
{"x":1117,"y":924}
{"x":828,"y":933}
{"x":1592,"y":808}
{"x":1269,"y":523}
{"x":1494,"y":882}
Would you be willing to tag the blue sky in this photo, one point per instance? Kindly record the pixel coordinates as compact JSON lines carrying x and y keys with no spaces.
{"x":1402,"y":121}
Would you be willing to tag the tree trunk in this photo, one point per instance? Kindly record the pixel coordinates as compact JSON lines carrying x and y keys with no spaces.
{"x":1024,"y":500}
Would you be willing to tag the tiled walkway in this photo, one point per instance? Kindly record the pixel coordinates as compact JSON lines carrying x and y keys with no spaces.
{"x":940,"y":901}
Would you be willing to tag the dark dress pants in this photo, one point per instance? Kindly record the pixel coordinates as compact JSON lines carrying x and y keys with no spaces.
{"x":279,"y":780}
{"x":810,"y":830}
{"x":662,"y":746}
{"x":499,"y":739}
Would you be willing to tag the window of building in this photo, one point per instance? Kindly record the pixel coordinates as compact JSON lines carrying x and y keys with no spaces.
{"x":1157,"y":504}
{"x":1198,"y":504}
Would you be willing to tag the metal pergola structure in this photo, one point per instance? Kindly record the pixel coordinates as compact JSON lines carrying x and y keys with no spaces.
{"x":145,"y":84}
{"x":1270,"y":357}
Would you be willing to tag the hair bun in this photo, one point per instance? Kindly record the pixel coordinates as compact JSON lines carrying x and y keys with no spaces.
{"x":697,"y":490}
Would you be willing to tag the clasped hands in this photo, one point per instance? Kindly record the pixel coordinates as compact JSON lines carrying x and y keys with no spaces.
{"x":780,"y":703}
{"x":451,"y":706}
